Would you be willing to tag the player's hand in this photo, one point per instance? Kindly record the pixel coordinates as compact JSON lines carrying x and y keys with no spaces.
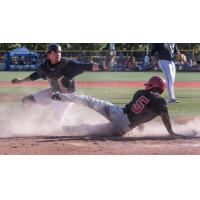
{"x":16,"y":81}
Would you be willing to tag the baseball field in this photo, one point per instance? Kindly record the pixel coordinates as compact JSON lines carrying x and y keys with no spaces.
{"x":22,"y":133}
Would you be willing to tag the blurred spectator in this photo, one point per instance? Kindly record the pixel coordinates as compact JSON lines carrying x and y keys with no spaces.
{"x":121,"y":57}
{"x":20,"y":60}
{"x":109,"y":60}
{"x":190,"y":65}
{"x":34,"y":61}
{"x":119,"y":65}
{"x":130,"y":63}
{"x":155,"y":66}
{"x":146,"y":61}
{"x":197,"y":66}
{"x":124,"y":61}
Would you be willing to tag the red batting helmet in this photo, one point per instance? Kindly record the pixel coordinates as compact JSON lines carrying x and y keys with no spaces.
{"x":155,"y":82}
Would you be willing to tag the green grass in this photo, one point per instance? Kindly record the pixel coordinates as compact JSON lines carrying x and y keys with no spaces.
{"x":189,"y":97}
{"x":112,"y":76}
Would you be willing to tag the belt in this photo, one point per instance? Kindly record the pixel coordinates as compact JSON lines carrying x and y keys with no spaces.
{"x":125,"y":112}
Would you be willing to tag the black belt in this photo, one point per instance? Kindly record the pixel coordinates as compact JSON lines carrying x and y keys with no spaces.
{"x":125,"y":112}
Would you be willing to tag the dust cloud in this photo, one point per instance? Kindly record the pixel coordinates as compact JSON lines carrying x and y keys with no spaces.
{"x":156,"y":128}
{"x":49,"y":120}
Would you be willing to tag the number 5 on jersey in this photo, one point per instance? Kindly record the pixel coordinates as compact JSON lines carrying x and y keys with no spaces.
{"x":138,"y":106}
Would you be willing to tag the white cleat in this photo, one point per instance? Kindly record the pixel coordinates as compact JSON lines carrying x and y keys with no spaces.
{"x":173,"y":101}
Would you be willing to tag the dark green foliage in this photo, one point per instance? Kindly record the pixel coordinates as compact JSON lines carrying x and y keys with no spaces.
{"x":93,"y":46}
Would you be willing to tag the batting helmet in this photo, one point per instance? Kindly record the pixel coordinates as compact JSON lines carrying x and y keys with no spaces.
{"x":155,"y":82}
{"x":54,"y":47}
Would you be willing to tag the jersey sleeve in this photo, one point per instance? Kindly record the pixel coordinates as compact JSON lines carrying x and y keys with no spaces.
{"x":39,"y":73}
{"x":75,"y":67}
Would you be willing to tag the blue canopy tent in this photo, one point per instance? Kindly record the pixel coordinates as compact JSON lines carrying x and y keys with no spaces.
{"x":21,"y":59}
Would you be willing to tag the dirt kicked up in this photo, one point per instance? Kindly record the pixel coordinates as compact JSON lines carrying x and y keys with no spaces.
{"x":131,"y":144}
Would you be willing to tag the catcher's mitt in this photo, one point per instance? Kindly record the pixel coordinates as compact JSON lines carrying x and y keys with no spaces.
{"x":180,"y":57}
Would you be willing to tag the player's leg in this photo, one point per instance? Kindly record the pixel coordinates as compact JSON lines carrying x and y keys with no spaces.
{"x":167,"y":70}
{"x":111,"y":112}
{"x":104,"y":129}
{"x":173,"y":73}
{"x":173,"y":68}
{"x":99,"y":106}
{"x":42,"y":97}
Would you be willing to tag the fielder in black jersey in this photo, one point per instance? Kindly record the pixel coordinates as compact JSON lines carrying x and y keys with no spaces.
{"x":167,"y":53}
{"x":145,"y":105}
{"x":59,"y":72}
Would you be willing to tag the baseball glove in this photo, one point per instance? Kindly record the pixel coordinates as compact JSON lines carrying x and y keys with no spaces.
{"x":180,"y":57}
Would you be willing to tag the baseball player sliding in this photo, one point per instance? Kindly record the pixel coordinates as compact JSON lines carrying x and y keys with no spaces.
{"x":60,"y":74}
{"x":166,"y":55}
{"x":145,"y":106}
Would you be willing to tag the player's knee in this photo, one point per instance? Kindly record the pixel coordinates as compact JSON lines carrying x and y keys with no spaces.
{"x":28,"y":101}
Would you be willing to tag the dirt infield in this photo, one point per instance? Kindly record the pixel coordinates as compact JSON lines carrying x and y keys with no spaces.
{"x":68,"y":145}
{"x":99,"y":146}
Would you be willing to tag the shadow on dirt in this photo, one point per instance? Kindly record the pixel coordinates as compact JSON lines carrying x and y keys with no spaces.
{"x":108,"y":138}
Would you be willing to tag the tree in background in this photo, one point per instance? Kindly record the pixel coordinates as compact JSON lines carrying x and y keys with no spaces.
{"x":93,"y":46}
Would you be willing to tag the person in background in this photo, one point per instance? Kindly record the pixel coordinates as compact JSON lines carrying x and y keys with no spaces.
{"x":166,"y":53}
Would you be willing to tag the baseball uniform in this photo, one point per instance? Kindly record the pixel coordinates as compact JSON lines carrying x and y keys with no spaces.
{"x":166,"y":54}
{"x":60,"y":77}
{"x":144,"y":106}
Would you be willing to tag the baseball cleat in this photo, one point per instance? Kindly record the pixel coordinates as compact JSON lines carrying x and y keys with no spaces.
{"x":173,"y":101}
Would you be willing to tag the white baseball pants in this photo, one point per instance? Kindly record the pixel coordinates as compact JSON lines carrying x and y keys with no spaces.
{"x":169,"y":70}
{"x":113,"y":113}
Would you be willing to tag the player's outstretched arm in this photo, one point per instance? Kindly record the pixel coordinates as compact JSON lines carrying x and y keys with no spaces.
{"x":166,"y":121}
{"x":18,"y":80}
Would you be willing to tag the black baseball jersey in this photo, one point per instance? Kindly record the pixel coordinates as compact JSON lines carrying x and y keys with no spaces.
{"x":61,"y":74}
{"x":145,"y":106}
{"x":166,"y":51}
